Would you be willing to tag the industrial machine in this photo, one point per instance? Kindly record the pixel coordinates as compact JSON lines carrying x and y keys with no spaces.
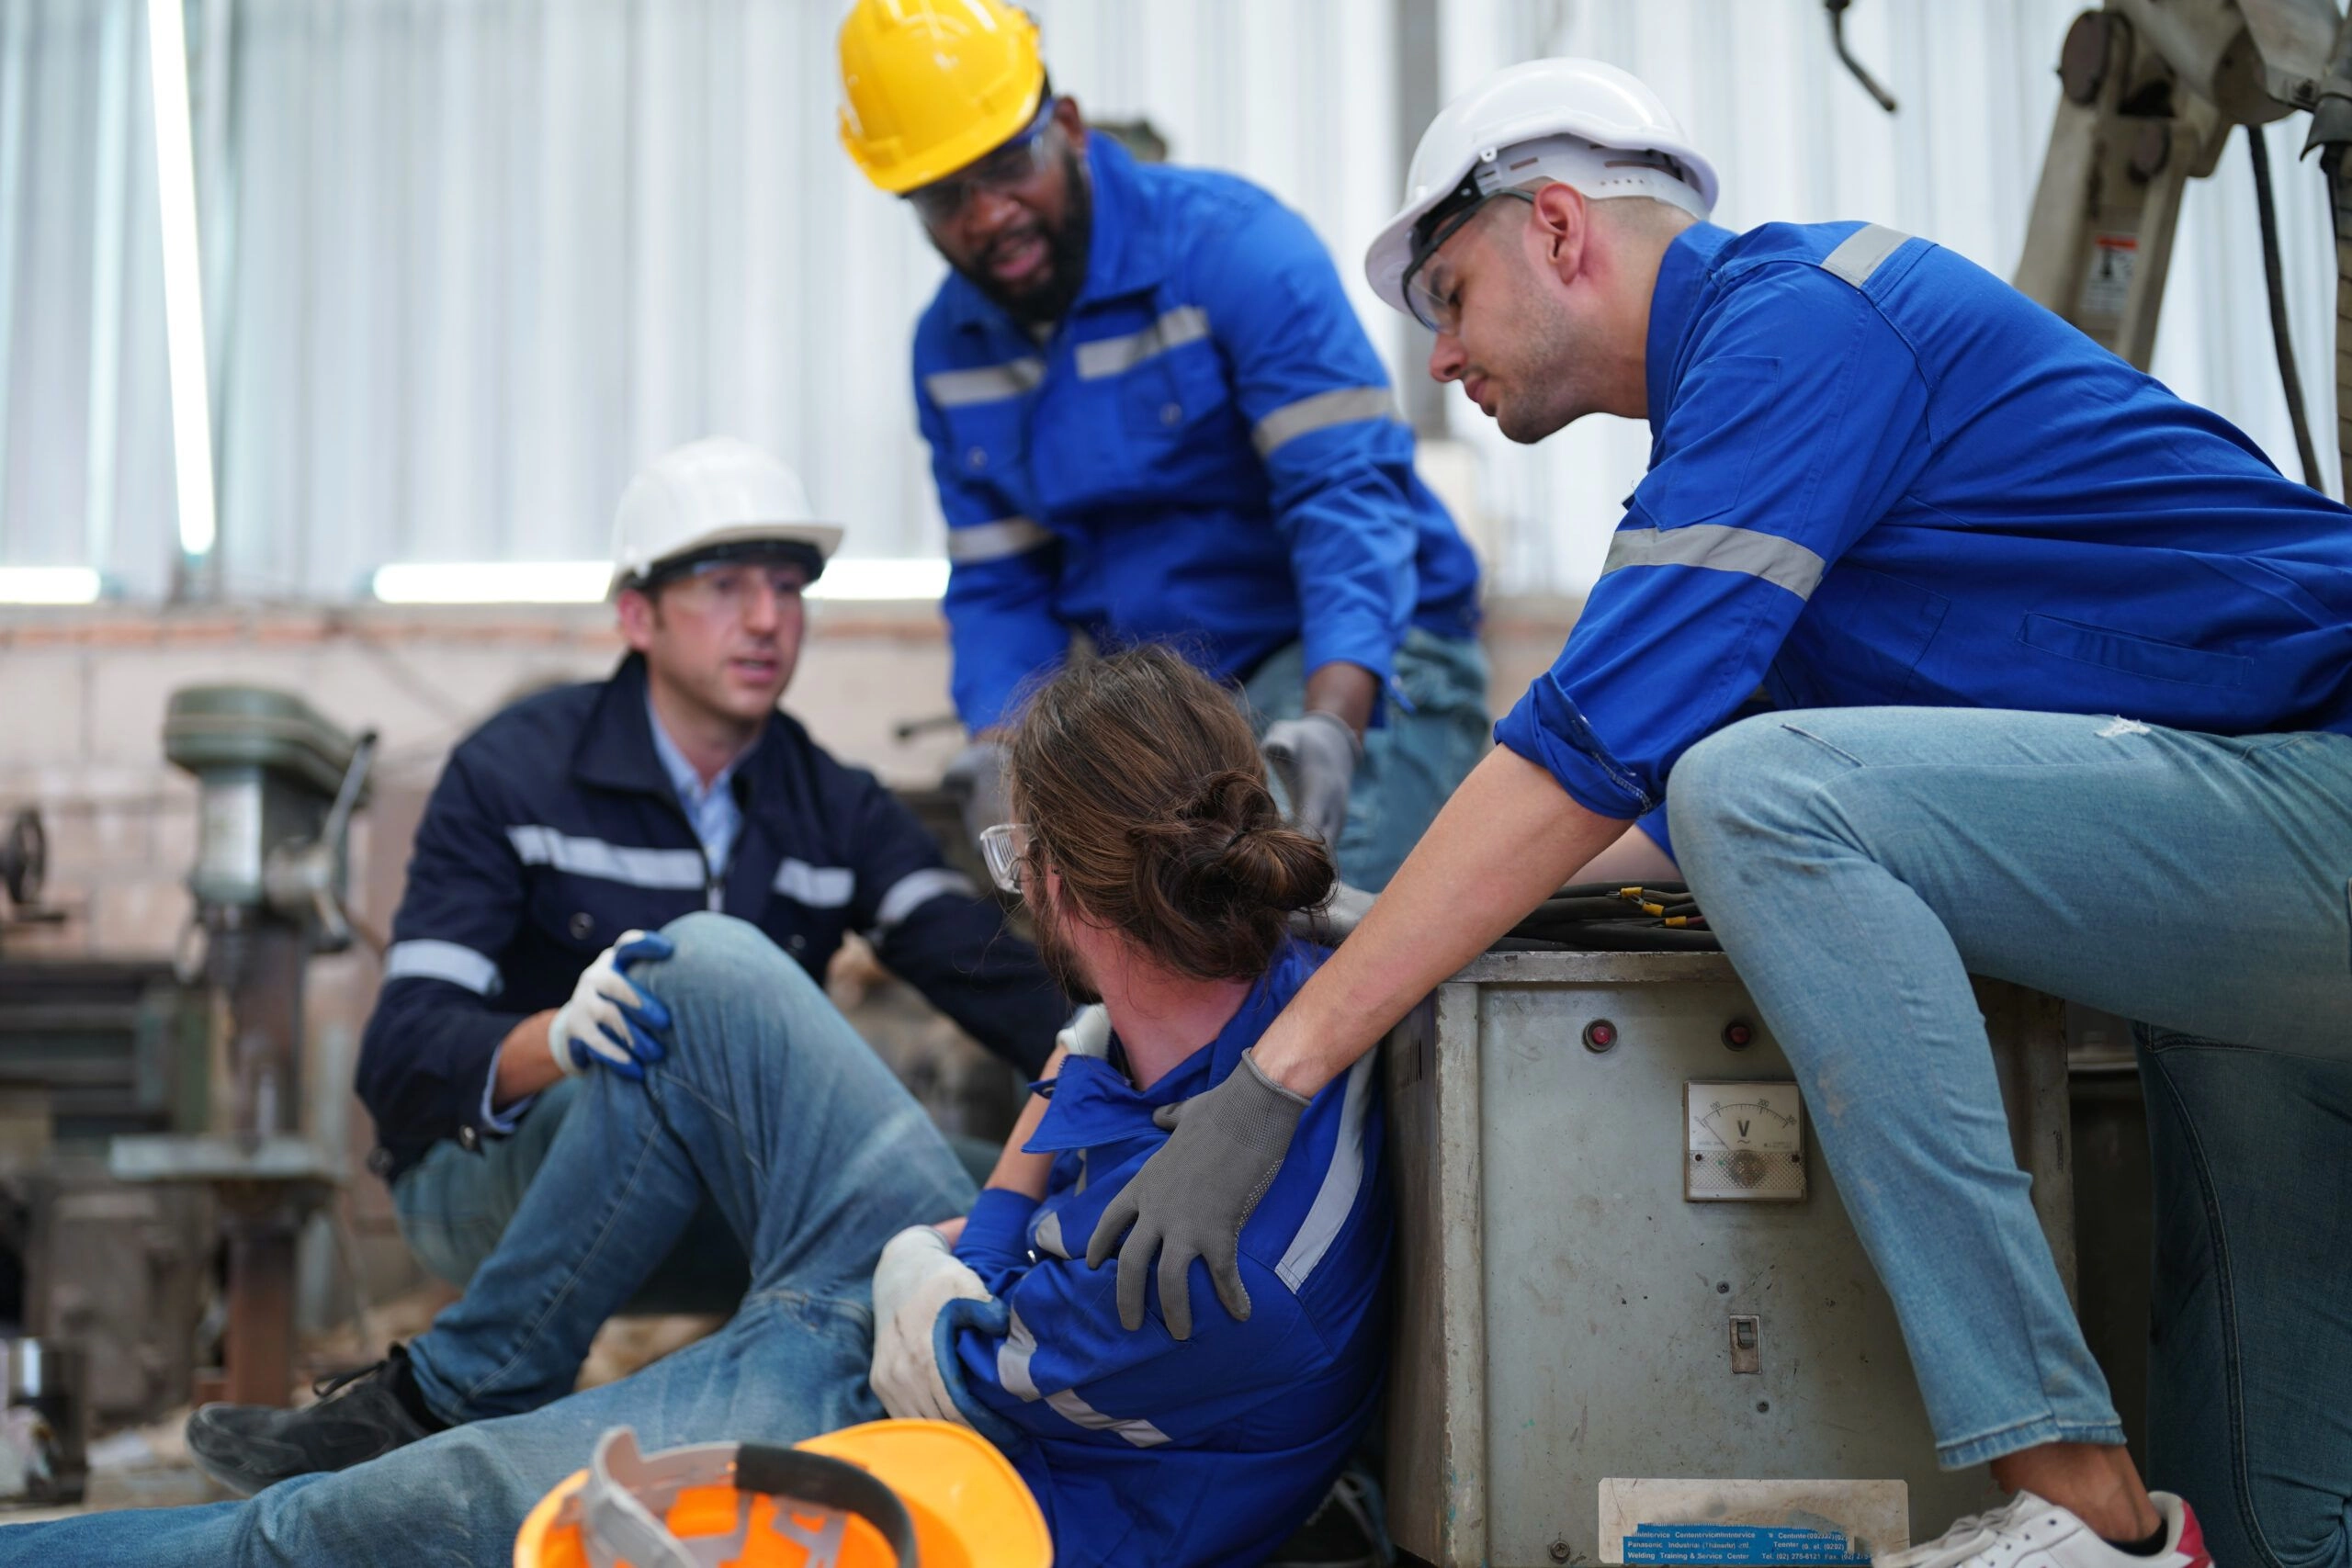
{"x":1633,"y":1316}
{"x":113,"y":1280}
{"x":278,"y":785}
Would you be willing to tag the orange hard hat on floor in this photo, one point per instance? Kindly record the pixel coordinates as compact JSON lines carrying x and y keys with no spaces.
{"x":928,"y":85}
{"x":883,"y":1495}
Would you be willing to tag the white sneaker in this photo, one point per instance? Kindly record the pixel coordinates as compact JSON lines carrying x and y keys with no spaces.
{"x":2031,"y":1533}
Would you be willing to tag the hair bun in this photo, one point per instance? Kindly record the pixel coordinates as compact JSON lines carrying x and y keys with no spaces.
{"x":1275,"y":865}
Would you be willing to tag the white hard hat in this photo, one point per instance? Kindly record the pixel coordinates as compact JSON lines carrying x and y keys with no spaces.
{"x":1571,"y":120}
{"x":707,"y":494}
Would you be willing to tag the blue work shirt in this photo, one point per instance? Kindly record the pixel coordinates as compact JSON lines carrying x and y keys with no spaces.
{"x":1879,"y":475}
{"x":1141,"y":1449}
{"x":555,"y":828}
{"x":1203,"y":450}
{"x":710,"y":808}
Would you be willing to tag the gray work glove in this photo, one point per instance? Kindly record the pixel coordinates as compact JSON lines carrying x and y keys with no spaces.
{"x":976,"y":780}
{"x":1191,"y":1198}
{"x":1315,"y":758}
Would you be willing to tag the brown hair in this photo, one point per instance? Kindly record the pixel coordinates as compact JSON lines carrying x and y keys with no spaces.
{"x":1142,"y":787}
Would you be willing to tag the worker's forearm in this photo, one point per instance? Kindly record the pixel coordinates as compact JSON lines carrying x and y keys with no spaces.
{"x":1026,"y":1173}
{"x":525,"y":1064}
{"x":1346,"y":690}
{"x":1503,"y":844}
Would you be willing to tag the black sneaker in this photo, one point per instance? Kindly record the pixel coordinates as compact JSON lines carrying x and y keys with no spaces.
{"x":359,"y":1415}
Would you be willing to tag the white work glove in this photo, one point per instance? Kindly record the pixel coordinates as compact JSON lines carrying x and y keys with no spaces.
{"x":609,"y":1022}
{"x":918,"y":1276}
{"x":1087,"y":1032}
{"x":976,"y":782}
{"x":1315,"y":758}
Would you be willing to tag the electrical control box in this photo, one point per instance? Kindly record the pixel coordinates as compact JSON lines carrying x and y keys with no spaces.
{"x":1628,"y":1289}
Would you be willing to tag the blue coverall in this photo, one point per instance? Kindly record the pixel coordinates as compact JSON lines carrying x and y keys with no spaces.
{"x":1205,"y":451}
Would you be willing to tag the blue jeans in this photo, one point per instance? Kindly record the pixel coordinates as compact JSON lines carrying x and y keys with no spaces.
{"x":1859,"y":863}
{"x":771,"y":1105}
{"x":1412,"y":760}
{"x":454,"y":1204}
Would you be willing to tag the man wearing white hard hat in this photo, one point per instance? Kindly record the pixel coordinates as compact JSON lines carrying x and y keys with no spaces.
{"x":1948,"y":540}
{"x":578,"y":820}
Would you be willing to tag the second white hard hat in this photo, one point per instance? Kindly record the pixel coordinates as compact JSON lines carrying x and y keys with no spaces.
{"x":1578,"y":121}
{"x":709,"y":494}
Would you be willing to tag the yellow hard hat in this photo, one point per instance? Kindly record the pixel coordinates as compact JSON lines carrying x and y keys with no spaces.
{"x":928,"y":85}
{"x":885,"y":1494}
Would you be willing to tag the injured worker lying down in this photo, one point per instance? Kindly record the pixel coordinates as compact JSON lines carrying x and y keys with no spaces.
{"x":1160,"y":875}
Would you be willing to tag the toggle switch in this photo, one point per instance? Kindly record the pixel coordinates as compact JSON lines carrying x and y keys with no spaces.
{"x":1747,"y":1352}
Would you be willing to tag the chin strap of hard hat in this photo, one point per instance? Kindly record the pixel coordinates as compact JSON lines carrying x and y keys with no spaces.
{"x":627,"y":1495}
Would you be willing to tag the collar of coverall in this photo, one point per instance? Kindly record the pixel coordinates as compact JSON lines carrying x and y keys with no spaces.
{"x":1124,"y":254}
{"x":616,"y":748}
{"x":1682,"y":273}
{"x":1094,"y":1105}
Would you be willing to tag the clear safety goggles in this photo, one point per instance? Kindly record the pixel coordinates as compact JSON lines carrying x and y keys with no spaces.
{"x":1011,"y":164}
{"x":1441,"y":314}
{"x":1005,"y":848}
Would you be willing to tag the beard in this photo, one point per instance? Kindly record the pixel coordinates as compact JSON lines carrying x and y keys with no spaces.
{"x":1066,"y":247}
{"x":1061,"y":959}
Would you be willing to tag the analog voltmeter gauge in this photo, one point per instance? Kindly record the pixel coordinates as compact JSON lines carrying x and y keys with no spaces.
{"x":1743,"y":1143}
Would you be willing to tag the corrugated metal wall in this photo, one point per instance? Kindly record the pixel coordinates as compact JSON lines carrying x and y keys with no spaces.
{"x":493,"y":256}
{"x":475,"y":260}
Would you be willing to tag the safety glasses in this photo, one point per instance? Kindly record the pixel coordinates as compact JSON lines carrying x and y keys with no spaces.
{"x":1011,"y":164}
{"x":1443,"y":313}
{"x":1005,"y":848}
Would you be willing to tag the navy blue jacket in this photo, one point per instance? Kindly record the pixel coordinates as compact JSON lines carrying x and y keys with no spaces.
{"x":1205,"y":450}
{"x":554,"y":828}
{"x":1881,"y":476}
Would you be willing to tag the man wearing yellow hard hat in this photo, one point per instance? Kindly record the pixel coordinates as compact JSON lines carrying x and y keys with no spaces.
{"x":1153,"y":413}
{"x":1143,"y":837}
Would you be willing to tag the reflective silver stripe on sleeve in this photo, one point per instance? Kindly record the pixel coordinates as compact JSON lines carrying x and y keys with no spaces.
{"x":1342,"y":405}
{"x":1111,"y":355}
{"x":1343,"y":1180}
{"x":1784,"y":563}
{"x":818,"y":887}
{"x":915,"y":889}
{"x":994,"y":541}
{"x":984,"y":384}
{"x":1860,"y":253}
{"x":1012,"y":1374}
{"x":1077,"y":1413}
{"x":459,"y":964}
{"x":1049,"y":1235}
{"x":537,"y":845}
{"x":1012,"y":1360}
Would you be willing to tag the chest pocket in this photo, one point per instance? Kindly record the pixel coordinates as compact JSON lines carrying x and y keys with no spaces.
{"x":986,"y":409}
{"x":1164,"y":372}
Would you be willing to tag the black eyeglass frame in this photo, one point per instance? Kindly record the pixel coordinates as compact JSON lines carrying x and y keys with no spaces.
{"x":1437,"y":226}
